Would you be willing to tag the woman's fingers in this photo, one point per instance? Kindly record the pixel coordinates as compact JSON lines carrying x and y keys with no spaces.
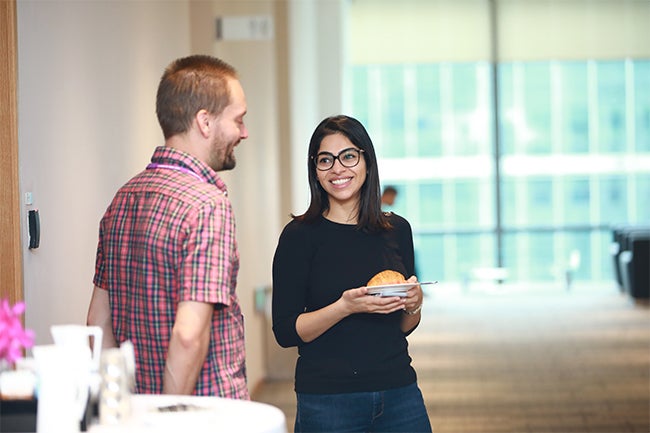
{"x":386,"y":304}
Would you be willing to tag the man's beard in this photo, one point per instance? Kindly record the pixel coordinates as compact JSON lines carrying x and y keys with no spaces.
{"x":225,"y":161}
{"x":229,"y":162}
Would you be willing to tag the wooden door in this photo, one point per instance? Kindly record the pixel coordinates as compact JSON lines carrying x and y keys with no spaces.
{"x":11,"y":275}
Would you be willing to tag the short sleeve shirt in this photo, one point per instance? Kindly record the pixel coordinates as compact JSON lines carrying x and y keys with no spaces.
{"x":169,"y":236}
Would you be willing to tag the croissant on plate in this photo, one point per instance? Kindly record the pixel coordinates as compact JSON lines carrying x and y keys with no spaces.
{"x":386,"y":277}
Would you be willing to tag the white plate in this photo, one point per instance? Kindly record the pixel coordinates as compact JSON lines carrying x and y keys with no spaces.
{"x":395,"y":289}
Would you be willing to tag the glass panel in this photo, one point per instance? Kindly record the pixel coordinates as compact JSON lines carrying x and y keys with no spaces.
{"x":510,"y":115}
{"x":642,"y":199}
{"x":429,"y":111}
{"x":541,"y":257}
{"x":429,"y":260}
{"x":466,"y":199}
{"x":604,"y":269}
{"x":578,"y":243}
{"x":642,"y":105}
{"x":538,"y":201}
{"x":430,"y":200}
{"x":602,"y":197}
{"x":613,"y":199}
{"x":462,"y":252}
{"x":575,"y":201}
{"x":468,"y":110}
{"x":392,"y":111}
{"x":360,"y":96}
{"x":508,"y":202}
{"x":529,"y":256}
{"x":611,"y":106}
{"x":574,"y":119}
{"x":474,"y":251}
{"x":532,"y":120}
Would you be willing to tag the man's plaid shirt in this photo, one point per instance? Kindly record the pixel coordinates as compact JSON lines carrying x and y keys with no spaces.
{"x":169,"y":237}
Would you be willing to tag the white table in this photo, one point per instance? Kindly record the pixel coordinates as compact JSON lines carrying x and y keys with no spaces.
{"x":203,"y":415}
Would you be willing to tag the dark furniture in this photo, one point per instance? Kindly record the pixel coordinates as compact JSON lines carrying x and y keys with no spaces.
{"x":18,"y":415}
{"x":630,"y":252}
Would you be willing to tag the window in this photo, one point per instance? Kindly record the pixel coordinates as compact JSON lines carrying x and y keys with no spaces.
{"x":572,"y":156}
{"x":550,"y":205}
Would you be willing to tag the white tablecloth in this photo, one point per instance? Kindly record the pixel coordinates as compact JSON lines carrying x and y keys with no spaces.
{"x":203,"y":414}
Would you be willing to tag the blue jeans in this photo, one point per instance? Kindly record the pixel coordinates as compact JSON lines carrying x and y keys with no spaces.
{"x":394,"y":410}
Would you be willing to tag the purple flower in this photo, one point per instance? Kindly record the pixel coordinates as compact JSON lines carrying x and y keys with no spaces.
{"x":13,"y":338}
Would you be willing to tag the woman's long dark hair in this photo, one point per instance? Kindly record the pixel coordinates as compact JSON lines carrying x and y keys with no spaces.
{"x":370,"y":218}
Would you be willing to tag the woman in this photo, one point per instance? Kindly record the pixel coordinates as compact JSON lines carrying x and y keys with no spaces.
{"x":354,"y":372}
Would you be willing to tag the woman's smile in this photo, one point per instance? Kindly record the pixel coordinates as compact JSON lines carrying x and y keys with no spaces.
{"x":340,"y":182}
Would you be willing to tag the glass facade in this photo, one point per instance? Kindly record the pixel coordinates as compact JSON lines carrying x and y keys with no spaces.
{"x":572,"y":158}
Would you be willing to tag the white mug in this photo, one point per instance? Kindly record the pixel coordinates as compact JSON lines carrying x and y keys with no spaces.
{"x":62,"y":391}
{"x":77,"y":335}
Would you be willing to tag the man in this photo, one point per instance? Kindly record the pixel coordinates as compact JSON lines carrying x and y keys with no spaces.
{"x":388,"y":196}
{"x":167,"y":258}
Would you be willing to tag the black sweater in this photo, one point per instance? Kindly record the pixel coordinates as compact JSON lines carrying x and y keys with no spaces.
{"x":313,"y":265}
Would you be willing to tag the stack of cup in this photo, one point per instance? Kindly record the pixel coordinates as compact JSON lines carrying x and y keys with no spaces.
{"x":116,"y":386}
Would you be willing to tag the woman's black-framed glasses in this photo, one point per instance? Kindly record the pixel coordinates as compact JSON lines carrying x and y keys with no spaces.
{"x":349,"y":158}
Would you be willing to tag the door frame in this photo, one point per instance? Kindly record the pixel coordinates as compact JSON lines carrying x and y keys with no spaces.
{"x":11,"y":267}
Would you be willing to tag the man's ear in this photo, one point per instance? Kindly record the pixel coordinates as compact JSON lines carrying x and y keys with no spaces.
{"x":204,"y":122}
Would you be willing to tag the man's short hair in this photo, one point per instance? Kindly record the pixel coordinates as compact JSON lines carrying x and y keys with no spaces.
{"x":188,"y":85}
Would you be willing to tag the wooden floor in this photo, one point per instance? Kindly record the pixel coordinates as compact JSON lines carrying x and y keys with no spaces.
{"x":526,"y":360}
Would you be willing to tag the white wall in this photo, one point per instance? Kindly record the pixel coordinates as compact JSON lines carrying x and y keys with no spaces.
{"x":253,"y":186}
{"x":87,"y":78}
{"x":88,"y":73}
{"x":316,"y":60}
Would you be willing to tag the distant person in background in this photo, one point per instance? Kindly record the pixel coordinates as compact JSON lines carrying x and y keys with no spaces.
{"x":388,"y":196}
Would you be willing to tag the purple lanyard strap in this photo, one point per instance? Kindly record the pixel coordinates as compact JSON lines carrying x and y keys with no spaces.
{"x":174,"y":167}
